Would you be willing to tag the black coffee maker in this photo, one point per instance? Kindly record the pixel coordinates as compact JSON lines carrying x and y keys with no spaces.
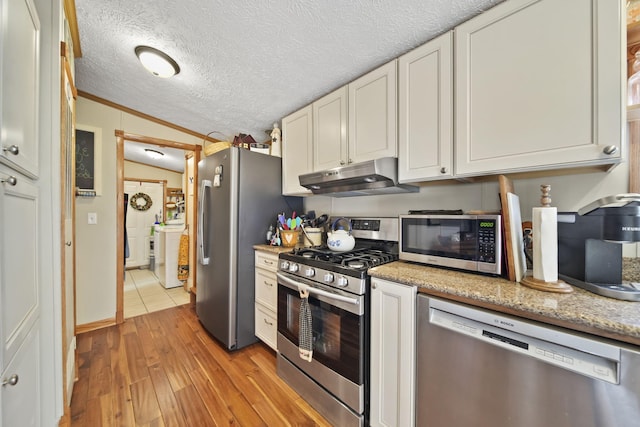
{"x":590,"y":245}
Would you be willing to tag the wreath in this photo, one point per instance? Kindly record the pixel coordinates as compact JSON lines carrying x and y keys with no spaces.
{"x":141,"y":202}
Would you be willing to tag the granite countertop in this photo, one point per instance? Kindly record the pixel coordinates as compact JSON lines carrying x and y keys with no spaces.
{"x":272,"y":249}
{"x":579,"y":310}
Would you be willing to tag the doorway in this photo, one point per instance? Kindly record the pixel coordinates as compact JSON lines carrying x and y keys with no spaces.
{"x":190,"y":218}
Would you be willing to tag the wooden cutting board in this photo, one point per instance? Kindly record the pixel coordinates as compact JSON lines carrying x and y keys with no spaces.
{"x":506,"y":187}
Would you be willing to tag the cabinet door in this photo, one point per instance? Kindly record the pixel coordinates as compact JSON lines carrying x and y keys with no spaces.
{"x":20,"y":76}
{"x":21,"y":401}
{"x":538,"y":86}
{"x":330,"y":130}
{"x":297,"y":156}
{"x":393,"y":353}
{"x":425,"y":110}
{"x":373,"y":119}
{"x":19,"y":291}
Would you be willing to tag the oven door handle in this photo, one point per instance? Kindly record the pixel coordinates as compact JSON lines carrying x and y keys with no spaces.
{"x":300,"y":286}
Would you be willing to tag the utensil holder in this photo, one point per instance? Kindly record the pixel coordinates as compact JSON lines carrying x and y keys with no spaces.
{"x":289,"y":238}
{"x":312,"y":236}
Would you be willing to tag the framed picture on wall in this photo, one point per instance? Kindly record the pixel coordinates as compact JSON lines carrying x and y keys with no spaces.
{"x":88,"y":160}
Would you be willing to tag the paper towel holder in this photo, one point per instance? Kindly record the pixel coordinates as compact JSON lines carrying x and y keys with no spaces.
{"x":557,"y":286}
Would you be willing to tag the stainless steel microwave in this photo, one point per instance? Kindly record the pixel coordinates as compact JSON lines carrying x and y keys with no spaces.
{"x":466,"y":242}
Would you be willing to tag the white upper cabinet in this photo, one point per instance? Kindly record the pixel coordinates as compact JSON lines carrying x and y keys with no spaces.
{"x":297,"y":155}
{"x":425,"y":111}
{"x":373,"y":116}
{"x":19,"y":86}
{"x":539,"y":86}
{"x":330,"y":130}
{"x":357,"y":122}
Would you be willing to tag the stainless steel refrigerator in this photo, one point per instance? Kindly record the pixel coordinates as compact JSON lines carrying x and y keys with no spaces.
{"x":239,"y":197}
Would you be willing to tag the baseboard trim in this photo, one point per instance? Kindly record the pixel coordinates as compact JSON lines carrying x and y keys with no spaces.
{"x":87,"y":327}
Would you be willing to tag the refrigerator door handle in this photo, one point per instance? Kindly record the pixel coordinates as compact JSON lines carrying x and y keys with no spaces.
{"x":204,"y":255}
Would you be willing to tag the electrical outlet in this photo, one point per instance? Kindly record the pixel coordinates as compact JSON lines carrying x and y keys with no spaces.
{"x":92,"y":218}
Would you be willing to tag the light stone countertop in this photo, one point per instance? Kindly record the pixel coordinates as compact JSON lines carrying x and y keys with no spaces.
{"x":579,"y":310}
{"x":272,"y":249}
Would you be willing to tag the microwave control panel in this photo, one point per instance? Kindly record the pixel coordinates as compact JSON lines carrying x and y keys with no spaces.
{"x":487,"y":240}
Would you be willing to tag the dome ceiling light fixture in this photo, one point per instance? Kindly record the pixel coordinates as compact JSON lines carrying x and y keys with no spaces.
{"x":154,"y":154}
{"x":157,"y":62}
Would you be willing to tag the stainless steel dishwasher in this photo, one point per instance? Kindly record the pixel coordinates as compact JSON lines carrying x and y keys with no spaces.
{"x":481,"y":368}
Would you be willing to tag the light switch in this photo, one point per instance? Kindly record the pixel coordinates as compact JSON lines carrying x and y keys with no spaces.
{"x":92,"y":218}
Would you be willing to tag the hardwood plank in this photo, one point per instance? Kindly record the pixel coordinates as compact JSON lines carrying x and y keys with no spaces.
{"x":171,"y":413}
{"x":166,"y":370}
{"x":120,"y":380}
{"x":214,"y":403}
{"x":136,"y":361}
{"x":145,"y":404}
{"x":192,"y":405}
{"x":146,"y":340}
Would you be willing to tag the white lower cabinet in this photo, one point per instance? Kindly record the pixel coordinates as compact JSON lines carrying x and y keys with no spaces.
{"x":266,"y":299}
{"x":393,"y":354}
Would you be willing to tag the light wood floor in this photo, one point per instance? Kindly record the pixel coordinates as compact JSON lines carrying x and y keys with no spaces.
{"x":163,"y":369}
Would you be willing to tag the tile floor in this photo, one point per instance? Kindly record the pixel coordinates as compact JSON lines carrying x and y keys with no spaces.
{"x":144,"y":294}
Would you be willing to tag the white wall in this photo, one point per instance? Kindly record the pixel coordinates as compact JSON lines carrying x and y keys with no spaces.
{"x":138,"y":170}
{"x":96,"y":244}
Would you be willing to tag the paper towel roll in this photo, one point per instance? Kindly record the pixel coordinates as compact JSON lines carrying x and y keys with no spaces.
{"x":545,"y":244}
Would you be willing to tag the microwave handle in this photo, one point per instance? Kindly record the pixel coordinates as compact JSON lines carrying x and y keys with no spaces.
{"x":315,"y":291}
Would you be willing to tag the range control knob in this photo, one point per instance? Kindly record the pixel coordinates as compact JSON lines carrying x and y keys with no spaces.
{"x":284,"y":265}
{"x":342,"y":281}
{"x":310,"y":272}
{"x":294,"y":267}
{"x":328,"y":277}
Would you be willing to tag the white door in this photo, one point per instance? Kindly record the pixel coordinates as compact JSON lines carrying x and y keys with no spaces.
{"x":141,"y":220}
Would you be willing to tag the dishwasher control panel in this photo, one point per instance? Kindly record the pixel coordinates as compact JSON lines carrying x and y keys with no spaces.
{"x":583,"y":357}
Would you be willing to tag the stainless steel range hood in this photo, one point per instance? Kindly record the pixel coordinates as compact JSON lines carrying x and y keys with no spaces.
{"x":360,"y":179}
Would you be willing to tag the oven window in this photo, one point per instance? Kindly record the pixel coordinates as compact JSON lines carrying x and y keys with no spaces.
{"x":450,"y":238}
{"x":338,"y":336}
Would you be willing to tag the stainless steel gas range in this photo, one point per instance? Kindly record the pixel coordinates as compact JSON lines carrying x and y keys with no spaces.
{"x":336,"y":288}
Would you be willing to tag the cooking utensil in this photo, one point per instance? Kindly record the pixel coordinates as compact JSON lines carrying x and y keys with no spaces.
{"x":321,"y":220}
{"x":282,"y":221}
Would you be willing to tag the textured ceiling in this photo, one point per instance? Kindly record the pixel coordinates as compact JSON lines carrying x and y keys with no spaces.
{"x":247,"y":63}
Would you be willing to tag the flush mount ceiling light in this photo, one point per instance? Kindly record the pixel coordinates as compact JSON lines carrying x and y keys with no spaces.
{"x":154,"y":154}
{"x":157,"y":62}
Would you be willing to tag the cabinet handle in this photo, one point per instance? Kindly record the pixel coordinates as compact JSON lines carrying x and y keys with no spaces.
{"x":12,"y":180}
{"x":13,"y":149}
{"x":68,"y":243}
{"x":267,"y":283}
{"x":350,"y":161}
{"x":341,"y":162}
{"x":12,"y":380}
{"x":610,"y":149}
{"x":443,"y":170}
{"x":268,"y":323}
{"x":267,"y":262}
{"x":374,"y":286}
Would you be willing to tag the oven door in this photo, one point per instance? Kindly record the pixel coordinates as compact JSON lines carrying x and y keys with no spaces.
{"x":338,"y":326}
